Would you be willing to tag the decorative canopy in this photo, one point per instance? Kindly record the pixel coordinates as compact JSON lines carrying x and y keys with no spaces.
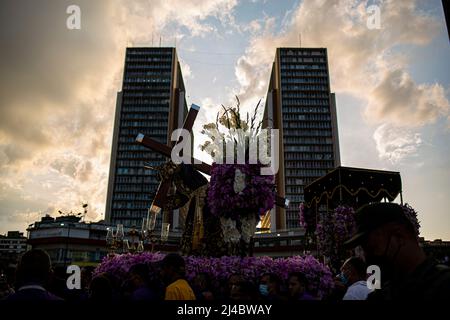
{"x":353,"y":186}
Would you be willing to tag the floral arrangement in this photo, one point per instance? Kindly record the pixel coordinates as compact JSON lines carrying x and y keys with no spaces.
{"x":257,"y":195}
{"x":333,"y":230}
{"x":411,"y":214}
{"x":301,"y":216}
{"x":238,"y":193}
{"x":219,"y":269}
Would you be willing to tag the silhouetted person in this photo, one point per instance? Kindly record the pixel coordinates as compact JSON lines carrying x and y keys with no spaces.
{"x":202,"y":287}
{"x":232,"y":280}
{"x":270,"y":287}
{"x":5,"y":289}
{"x":389,"y":241}
{"x":354,"y":276}
{"x":140,"y":283}
{"x":244,"y":291}
{"x":32,"y":276}
{"x":173,"y":271}
{"x":101,"y":289}
{"x":298,"y":287}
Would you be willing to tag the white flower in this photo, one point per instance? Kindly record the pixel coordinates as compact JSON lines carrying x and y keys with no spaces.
{"x":239,"y":181}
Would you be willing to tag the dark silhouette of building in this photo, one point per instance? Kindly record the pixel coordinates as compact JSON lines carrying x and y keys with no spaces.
{"x":446,"y":6}
{"x":299,"y":103}
{"x":151,"y":102}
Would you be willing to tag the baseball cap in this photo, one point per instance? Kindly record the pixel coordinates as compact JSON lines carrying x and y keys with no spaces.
{"x":372,"y":216}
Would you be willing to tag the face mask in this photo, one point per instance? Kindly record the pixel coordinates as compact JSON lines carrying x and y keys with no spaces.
{"x":343,"y":278}
{"x":263,"y":289}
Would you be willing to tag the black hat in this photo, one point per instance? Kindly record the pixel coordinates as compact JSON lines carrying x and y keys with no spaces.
{"x":371,"y":216}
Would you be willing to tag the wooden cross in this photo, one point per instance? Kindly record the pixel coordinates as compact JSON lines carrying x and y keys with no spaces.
{"x":161,"y":195}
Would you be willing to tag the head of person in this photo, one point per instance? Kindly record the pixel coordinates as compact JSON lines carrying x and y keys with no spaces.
{"x":34,"y":267}
{"x":100,"y":288}
{"x":353,"y":270}
{"x":297,"y":284}
{"x":244,"y":290}
{"x":202,"y":281}
{"x":388,"y":239}
{"x":269,"y":284}
{"x":139,"y":275}
{"x":233,"y":280}
{"x":173,"y":267}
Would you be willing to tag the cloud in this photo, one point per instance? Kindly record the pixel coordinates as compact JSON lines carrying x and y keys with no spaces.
{"x":360,"y":59}
{"x":186,"y":70}
{"x":400,"y":100}
{"x":59,"y":87}
{"x":395,"y":144}
{"x":365,"y":64}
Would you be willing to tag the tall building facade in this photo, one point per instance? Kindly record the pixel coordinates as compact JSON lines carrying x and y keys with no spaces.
{"x":152,"y":102}
{"x":299,"y":103}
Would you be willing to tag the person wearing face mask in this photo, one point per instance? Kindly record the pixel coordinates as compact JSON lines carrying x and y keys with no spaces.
{"x":353,"y":275}
{"x":269,"y":287}
{"x":390,"y":242}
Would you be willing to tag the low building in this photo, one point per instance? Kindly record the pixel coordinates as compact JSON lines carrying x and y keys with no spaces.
{"x":12,"y":245}
{"x":68,"y":240}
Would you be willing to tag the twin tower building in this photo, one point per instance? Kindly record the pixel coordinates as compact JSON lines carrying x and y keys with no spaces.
{"x":299,"y":103}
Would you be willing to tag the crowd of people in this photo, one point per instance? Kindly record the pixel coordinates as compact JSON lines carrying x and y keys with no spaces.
{"x":384,"y":233}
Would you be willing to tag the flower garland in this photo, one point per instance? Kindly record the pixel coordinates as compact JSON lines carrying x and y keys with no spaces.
{"x":237,"y":189}
{"x":219,"y":269}
{"x":333,"y":230}
{"x":411,"y":214}
{"x":257,"y":196}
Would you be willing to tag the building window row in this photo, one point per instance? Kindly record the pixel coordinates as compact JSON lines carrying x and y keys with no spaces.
{"x":308,"y":140}
{"x":131,"y":213}
{"x":130,"y":205}
{"x":133,"y":196}
{"x":304,"y":87}
{"x":131,"y":101}
{"x":306,"y":110}
{"x":149,"y":87}
{"x":150,"y":188}
{"x":295,"y":66}
{"x":160,"y":116}
{"x":144,"y":123}
{"x":136,"y":171}
{"x":308,"y":156}
{"x":304,"y":74}
{"x":304,"y":80}
{"x":155,"y":58}
{"x":306,"y":117}
{"x":145,"y":109}
{"x":147,"y":74}
{"x":157,"y":66}
{"x":153,"y":123}
{"x":300,"y":52}
{"x":306,"y":125}
{"x":306,"y":172}
{"x":132,"y":147}
{"x":296,"y":189}
{"x":307,"y":133}
{"x":309,"y":164}
{"x":145,"y":94}
{"x":308,"y":148}
{"x":152,"y":79}
{"x":149,"y":51}
{"x":295,"y":199}
{"x":316,"y":95}
{"x":306,"y":102}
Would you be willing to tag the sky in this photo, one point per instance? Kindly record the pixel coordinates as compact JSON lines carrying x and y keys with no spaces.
{"x":58,"y":88}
